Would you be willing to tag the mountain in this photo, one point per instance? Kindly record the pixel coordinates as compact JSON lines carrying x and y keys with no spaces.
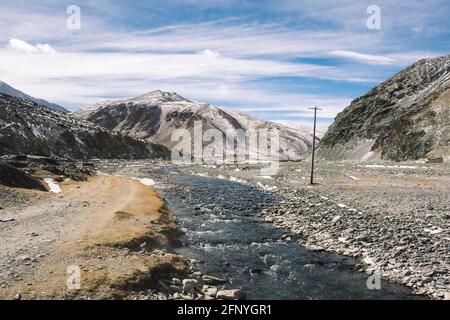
{"x":10,"y":91}
{"x":404,"y":118}
{"x":29,"y":128}
{"x":154,"y":117}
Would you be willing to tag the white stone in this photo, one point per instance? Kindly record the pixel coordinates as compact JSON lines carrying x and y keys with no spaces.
{"x":230,"y":295}
{"x":336,"y":219}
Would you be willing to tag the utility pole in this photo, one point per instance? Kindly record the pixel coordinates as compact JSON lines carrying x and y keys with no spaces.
{"x":313,"y":145}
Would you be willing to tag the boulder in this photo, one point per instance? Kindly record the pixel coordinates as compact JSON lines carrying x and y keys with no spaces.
{"x":13,"y":177}
{"x":230,"y":294}
{"x":190,"y":286}
{"x":211,"y":292}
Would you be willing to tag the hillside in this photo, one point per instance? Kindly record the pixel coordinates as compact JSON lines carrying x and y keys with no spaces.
{"x":10,"y":91}
{"x":404,"y":118}
{"x":29,"y":128}
{"x":154,"y":117}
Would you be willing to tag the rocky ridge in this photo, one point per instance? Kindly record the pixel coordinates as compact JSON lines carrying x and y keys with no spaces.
{"x":10,"y":91}
{"x":404,"y":118}
{"x":29,"y":128}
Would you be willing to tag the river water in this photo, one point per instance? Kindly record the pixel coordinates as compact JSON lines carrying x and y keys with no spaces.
{"x":226,"y":236}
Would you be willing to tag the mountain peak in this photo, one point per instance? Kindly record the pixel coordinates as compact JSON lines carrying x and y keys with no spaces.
{"x":158,"y":96}
{"x":156,"y":115}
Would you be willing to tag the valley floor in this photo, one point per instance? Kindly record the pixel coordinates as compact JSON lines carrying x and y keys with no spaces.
{"x":393,"y":218}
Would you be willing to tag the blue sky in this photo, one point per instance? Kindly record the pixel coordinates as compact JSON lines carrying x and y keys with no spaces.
{"x":273,"y":59}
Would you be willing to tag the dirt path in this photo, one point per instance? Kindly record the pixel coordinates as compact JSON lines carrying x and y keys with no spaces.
{"x":115,"y":231}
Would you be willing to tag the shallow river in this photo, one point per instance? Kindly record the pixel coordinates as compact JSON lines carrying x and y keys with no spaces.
{"x":224,"y":233}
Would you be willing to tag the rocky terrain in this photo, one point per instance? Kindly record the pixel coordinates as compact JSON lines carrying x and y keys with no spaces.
{"x":394,"y":219}
{"x":115,"y":230}
{"x":155,"y":115}
{"x":29,"y":172}
{"x":404,"y":118}
{"x":29,"y":128}
{"x":10,"y":91}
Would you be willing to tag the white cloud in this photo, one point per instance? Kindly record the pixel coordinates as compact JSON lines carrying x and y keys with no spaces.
{"x":45,"y":48}
{"x":210,"y":53}
{"x":212,"y":61}
{"x":367,"y":58}
{"x":148,"y":66}
{"x":22,"y":46}
{"x":240,"y":40}
{"x":79,"y":81}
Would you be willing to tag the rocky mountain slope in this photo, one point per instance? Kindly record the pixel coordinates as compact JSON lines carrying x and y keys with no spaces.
{"x":29,"y":128}
{"x":404,"y":118}
{"x":10,"y":91}
{"x":155,"y":115}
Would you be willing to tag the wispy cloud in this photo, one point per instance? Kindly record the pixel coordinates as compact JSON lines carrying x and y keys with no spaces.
{"x":231,"y":58}
{"x":368,"y":58}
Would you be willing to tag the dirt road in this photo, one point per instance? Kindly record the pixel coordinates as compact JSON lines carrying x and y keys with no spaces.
{"x":115,"y":231}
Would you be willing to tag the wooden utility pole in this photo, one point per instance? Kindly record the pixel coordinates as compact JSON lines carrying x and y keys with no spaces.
{"x":313,"y":145}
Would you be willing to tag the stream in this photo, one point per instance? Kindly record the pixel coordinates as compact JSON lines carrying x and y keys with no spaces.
{"x":225,"y":235}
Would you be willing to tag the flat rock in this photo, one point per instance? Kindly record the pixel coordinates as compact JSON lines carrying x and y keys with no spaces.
{"x":211,"y":292}
{"x":230,"y":294}
{"x":190,"y":285}
{"x":211,"y":280}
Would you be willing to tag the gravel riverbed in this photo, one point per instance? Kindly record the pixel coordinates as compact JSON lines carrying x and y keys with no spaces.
{"x":394,"y":219}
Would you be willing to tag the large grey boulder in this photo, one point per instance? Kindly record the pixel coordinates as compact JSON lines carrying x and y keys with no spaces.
{"x":13,"y":177}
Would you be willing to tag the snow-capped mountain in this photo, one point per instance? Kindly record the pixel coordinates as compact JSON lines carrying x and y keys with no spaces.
{"x":404,"y":118}
{"x":29,"y":128}
{"x":10,"y":91}
{"x":154,"y":117}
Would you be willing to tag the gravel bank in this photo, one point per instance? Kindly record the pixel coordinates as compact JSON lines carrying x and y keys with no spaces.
{"x":394,"y":219}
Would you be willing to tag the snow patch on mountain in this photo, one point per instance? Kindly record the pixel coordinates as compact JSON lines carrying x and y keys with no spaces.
{"x":156,"y":115}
